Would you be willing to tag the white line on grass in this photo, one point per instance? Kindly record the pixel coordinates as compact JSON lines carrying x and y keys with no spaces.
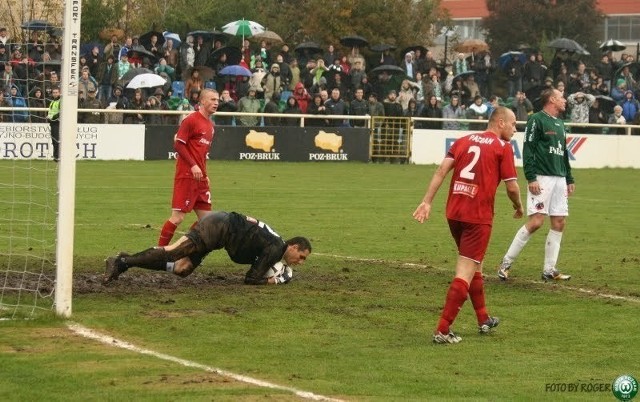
{"x":106,"y":339}
{"x":414,"y":265}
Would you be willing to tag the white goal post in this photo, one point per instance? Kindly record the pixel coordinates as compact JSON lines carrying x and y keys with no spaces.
{"x":67,"y":168}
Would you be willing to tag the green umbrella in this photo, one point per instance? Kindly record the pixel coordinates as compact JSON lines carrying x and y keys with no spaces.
{"x":243,"y":28}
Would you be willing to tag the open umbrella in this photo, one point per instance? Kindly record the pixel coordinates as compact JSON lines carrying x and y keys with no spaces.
{"x":634,"y":69}
{"x":388,"y":68}
{"x":107,"y":33}
{"x":463,"y":75}
{"x":235,"y":70}
{"x":472,"y":46}
{"x":86,"y":48}
{"x":174,"y":37}
{"x":506,"y":57}
{"x":206,"y":73}
{"x":310,"y":47}
{"x":142,"y":52}
{"x":129,"y":75}
{"x":413,"y":48}
{"x":57,"y":32}
{"x":612,"y":45}
{"x":145,"y":38}
{"x":146,"y":81}
{"x":567,"y":44}
{"x":234,"y":55}
{"x":244,"y":28}
{"x":381,"y":47}
{"x":268,"y":36}
{"x":354,"y":41}
{"x":37,"y":25}
{"x":209,"y":36}
{"x":606,"y":103}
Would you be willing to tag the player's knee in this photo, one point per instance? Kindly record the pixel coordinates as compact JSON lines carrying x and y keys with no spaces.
{"x":557,"y":223}
{"x":535,"y":222}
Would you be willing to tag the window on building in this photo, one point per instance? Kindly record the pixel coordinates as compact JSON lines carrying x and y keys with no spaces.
{"x":469,"y":29}
{"x":625,"y":28}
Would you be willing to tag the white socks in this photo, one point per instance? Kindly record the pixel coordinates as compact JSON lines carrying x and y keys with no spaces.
{"x":518,"y":243}
{"x":552,"y":250}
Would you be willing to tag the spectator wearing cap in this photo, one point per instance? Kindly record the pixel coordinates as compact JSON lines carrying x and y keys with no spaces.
{"x":617,"y":92}
{"x":91,"y":102}
{"x":249,"y":104}
{"x":273,"y":82}
{"x":86,"y":83}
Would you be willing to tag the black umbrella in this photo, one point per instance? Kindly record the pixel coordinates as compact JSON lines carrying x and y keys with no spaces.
{"x":413,"y":48}
{"x":128,"y":76}
{"x":634,"y":69}
{"x":353,"y":41}
{"x":209,"y":36}
{"x":145,"y":39}
{"x":606,"y":103}
{"x":463,"y":75}
{"x":569,"y":45}
{"x":234,"y":56}
{"x":310,"y":47}
{"x":612,"y":45}
{"x":37,"y":25}
{"x":382,"y":47}
{"x":388,"y":68}
{"x":142,"y":52}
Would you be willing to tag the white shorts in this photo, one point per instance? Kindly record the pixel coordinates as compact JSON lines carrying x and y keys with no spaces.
{"x":553,"y":199}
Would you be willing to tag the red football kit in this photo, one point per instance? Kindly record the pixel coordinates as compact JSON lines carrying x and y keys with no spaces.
{"x":192,"y":143}
{"x":481,"y":162}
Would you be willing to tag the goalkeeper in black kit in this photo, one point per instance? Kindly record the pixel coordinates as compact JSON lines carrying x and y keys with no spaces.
{"x":246,"y":240}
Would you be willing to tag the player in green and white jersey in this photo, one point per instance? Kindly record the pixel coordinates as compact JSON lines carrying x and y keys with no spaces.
{"x":548,"y":172}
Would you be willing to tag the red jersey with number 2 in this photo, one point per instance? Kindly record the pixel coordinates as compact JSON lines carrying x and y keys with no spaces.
{"x":196,"y":131}
{"x":481,"y":161}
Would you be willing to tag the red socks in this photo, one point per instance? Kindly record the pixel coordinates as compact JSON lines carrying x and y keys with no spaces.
{"x":476,"y":294}
{"x":456,"y":297}
{"x":166,"y":234}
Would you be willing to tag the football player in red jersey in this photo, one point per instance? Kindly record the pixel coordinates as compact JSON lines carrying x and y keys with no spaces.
{"x":479,"y":162}
{"x":191,"y":190}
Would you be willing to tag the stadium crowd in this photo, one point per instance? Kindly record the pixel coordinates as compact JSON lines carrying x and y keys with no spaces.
{"x":312,"y":80}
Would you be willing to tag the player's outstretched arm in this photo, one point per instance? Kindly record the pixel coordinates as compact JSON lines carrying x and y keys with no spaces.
{"x":423,"y":210}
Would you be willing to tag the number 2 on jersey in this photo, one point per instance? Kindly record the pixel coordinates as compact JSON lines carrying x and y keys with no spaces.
{"x":467,"y":171}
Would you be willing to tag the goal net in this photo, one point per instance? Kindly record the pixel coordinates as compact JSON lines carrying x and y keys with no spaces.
{"x":28,"y":199}
{"x":37,"y":195}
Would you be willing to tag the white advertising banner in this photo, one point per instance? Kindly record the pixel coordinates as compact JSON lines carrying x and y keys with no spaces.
{"x":93,"y":141}
{"x":585,"y":150}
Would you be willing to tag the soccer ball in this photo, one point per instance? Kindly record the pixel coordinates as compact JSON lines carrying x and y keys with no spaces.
{"x":279,"y":269}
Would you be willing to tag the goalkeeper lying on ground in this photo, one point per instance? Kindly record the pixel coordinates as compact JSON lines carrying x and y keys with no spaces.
{"x":246,"y":240}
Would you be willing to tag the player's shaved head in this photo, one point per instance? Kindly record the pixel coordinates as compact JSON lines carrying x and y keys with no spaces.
{"x":503,"y":123}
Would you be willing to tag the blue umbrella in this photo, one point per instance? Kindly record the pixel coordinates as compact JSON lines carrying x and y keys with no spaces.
{"x":506,"y":57}
{"x":174,"y":37}
{"x":86,"y":48}
{"x":235,"y":70}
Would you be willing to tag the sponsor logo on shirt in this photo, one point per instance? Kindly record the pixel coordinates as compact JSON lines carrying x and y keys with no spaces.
{"x":463,"y":188}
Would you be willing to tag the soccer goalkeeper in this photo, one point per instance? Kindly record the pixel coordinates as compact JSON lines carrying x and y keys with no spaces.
{"x":246,"y":240}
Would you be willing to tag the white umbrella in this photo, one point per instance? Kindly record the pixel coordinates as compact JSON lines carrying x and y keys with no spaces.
{"x":613,"y":45}
{"x":174,"y":37}
{"x":146,"y":81}
{"x":243,"y":28}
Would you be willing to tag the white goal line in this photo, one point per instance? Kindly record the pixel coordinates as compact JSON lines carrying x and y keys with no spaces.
{"x":108,"y":340}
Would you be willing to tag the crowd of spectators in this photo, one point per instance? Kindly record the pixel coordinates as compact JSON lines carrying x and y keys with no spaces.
{"x":313,"y":83}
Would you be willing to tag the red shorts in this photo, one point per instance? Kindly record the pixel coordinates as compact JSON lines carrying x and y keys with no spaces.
{"x":472,"y":239}
{"x":190,"y":194}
